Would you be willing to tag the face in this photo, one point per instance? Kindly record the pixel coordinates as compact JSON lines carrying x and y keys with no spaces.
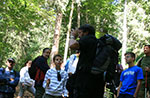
{"x":146,"y":50}
{"x":10,"y":64}
{"x":29,"y":64}
{"x":46,"y":53}
{"x":128,"y":59}
{"x":81,"y":33}
{"x":58,"y":61}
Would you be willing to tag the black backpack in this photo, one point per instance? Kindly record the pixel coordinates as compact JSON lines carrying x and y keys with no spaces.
{"x":106,"y":57}
{"x":32,"y":69}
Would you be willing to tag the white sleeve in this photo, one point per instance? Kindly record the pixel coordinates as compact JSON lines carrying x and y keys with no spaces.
{"x":65,"y":91}
{"x":22,"y":75}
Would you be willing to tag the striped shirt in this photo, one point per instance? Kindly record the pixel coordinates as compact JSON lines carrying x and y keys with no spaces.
{"x":56,"y":88}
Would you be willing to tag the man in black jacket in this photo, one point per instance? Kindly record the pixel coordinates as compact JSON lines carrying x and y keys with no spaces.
{"x":86,"y":84}
{"x":38,"y":70}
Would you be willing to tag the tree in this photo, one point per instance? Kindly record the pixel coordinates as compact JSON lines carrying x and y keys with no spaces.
{"x":68,"y":32}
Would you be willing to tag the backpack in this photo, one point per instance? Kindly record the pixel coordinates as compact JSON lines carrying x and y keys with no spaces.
{"x":33,"y":69}
{"x":106,"y":57}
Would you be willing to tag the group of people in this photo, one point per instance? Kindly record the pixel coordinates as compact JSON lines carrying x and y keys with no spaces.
{"x":75,"y":80}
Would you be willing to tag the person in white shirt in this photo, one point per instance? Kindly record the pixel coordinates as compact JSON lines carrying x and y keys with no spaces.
{"x":26,"y":83}
{"x":55,"y":80}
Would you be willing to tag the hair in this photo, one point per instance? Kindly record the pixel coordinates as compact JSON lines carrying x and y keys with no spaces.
{"x":131,"y":54}
{"x":147,"y":46}
{"x":57,"y":55}
{"x":45,"y":49}
{"x":26,"y":62}
{"x":88,"y":28}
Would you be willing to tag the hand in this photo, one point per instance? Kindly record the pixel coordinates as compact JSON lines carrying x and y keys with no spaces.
{"x":11,"y":79}
{"x":74,"y":33}
{"x":147,"y":69}
{"x":135,"y":95}
{"x":47,"y":82}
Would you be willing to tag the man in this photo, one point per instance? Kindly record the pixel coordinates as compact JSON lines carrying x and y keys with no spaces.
{"x":9,"y":79}
{"x":130,"y":79}
{"x":144,"y":63}
{"x":41,"y":67}
{"x":86,"y":84}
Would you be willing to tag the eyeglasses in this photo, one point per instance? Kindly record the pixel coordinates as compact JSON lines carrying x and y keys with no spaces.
{"x":58,"y":76}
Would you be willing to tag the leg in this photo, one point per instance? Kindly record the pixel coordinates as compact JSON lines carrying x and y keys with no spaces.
{"x":21,"y":91}
{"x":32,"y":90}
{"x":1,"y":95}
{"x":39,"y":92}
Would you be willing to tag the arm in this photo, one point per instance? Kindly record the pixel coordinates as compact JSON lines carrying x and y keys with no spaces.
{"x":137,"y":88}
{"x":46,"y":81}
{"x":15,"y":81}
{"x":22,"y":75}
{"x":118,"y":91}
{"x":3,"y":79}
{"x":73,"y":44}
{"x":65,"y":91}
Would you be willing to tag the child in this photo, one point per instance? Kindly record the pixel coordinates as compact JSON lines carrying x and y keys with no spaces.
{"x":55,"y":80}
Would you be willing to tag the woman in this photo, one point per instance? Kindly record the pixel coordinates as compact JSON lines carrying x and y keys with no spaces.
{"x":26,"y":83}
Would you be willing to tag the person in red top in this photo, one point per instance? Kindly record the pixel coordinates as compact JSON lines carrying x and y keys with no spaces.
{"x":40,"y":66}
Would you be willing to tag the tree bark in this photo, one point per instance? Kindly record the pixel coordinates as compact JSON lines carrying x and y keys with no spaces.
{"x":78,"y":10}
{"x":55,"y":46}
{"x":68,"y":32}
{"x":124,"y":45}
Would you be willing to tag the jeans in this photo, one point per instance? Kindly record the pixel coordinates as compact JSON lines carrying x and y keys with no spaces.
{"x":31,"y":89}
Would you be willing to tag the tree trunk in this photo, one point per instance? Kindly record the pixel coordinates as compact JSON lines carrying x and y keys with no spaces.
{"x":68,"y":32}
{"x":124,"y":45}
{"x":78,"y":10}
{"x":55,"y":46}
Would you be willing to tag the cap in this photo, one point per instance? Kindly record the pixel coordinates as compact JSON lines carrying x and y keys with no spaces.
{"x":11,"y":59}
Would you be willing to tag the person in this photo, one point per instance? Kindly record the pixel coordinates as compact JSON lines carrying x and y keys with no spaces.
{"x":9,"y":79}
{"x":71,"y":63}
{"x":70,"y":68}
{"x":87,"y":85}
{"x":26,"y":83}
{"x":41,"y":66}
{"x":144,"y":63}
{"x":55,"y":80}
{"x":113,"y":85}
{"x":130,"y":79}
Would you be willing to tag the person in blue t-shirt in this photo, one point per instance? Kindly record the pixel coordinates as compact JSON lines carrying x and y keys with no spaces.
{"x":130,"y":79}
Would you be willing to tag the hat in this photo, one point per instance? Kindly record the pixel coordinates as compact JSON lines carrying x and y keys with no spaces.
{"x":11,"y":59}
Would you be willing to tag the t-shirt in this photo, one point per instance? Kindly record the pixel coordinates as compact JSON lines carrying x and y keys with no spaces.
{"x":145,"y":63}
{"x":129,"y":79}
{"x":88,"y":45}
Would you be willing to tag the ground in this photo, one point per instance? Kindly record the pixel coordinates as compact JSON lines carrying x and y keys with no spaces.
{"x":26,"y":95}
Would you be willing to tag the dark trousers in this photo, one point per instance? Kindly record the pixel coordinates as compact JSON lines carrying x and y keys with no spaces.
{"x":126,"y":96}
{"x":6,"y":95}
{"x":50,"y":96}
{"x":88,"y":85}
{"x":39,"y":92}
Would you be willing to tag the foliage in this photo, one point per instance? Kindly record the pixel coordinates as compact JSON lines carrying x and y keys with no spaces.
{"x":26,"y":28}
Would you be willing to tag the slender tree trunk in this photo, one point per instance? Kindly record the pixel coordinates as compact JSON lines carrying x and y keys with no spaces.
{"x":55,"y":46}
{"x":124,"y":46}
{"x":68,"y":32}
{"x":78,"y":10}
